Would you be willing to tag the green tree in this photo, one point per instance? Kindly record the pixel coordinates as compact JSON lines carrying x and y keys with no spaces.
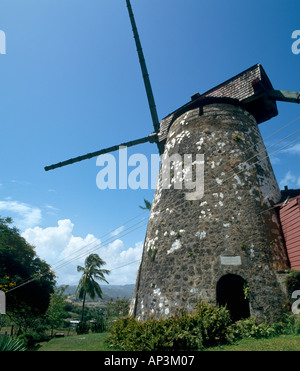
{"x":118,"y":307}
{"x":27,"y":280}
{"x":56,"y":310}
{"x":87,"y":284}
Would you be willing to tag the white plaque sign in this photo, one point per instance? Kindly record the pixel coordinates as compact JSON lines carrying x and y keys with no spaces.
{"x":231,"y":260}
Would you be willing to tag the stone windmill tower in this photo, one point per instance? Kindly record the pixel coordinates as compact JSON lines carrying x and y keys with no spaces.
{"x":228,"y":241}
{"x":223,"y":242}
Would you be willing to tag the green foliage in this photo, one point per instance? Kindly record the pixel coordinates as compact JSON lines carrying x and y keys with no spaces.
{"x":238,"y":138}
{"x":147,"y":205}
{"x":207,"y":326}
{"x":289,"y":325}
{"x":99,"y":325}
{"x":19,"y":263}
{"x":250,"y":328}
{"x":4,"y":321}
{"x":152,"y":252}
{"x":56,"y":310}
{"x":87,"y":283}
{"x":82,"y":328}
{"x":32,"y":330}
{"x":9,"y":344}
{"x":118,"y":307}
{"x":292,"y":282}
{"x":246,"y":290}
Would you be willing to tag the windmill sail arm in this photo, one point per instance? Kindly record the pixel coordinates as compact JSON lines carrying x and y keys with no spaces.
{"x":150,"y":138}
{"x":284,"y":96}
{"x":143,"y":66}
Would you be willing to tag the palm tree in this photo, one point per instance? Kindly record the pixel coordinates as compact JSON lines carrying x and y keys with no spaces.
{"x":87,"y":283}
{"x":147,"y":205}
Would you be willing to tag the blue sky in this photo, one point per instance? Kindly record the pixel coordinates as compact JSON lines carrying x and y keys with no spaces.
{"x":71,"y":84}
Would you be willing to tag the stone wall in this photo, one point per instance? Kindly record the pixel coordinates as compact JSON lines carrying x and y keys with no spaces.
{"x":191,"y":244}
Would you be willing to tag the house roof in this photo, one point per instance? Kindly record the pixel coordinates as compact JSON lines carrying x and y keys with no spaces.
{"x":289,"y":194}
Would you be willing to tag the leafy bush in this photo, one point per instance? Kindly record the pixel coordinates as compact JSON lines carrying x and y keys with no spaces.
{"x":82,"y":328}
{"x":289,"y":325}
{"x":292,"y":281}
{"x":33,"y":331}
{"x":249,"y":327}
{"x":7,"y":343}
{"x":99,"y":325}
{"x":33,"y":336}
{"x":207,"y":326}
{"x":214,"y":323}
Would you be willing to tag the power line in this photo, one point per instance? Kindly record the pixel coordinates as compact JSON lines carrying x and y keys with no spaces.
{"x":251,"y":165}
{"x":260,"y":159}
{"x":266,"y":149}
{"x":68,"y":260}
{"x":283,"y":127}
{"x":98,"y":244}
{"x":96,"y":247}
{"x":31,"y":279}
{"x":125,"y":265}
{"x":259,"y":214}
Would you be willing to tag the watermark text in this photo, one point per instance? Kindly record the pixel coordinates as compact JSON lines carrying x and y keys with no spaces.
{"x":296,"y":43}
{"x":177,"y":172}
{"x":296,"y":303}
{"x":2,"y":42}
{"x":2,"y":302}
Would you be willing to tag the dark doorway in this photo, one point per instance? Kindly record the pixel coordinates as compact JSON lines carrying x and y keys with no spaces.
{"x":230,"y":292}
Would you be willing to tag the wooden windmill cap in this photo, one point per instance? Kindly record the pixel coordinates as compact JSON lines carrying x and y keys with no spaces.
{"x":248,"y":89}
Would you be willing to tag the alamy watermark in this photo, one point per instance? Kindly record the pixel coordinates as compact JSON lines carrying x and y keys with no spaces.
{"x":296,"y":44}
{"x":2,"y":42}
{"x":177,"y":172}
{"x":296,"y":304}
{"x":2,"y":302}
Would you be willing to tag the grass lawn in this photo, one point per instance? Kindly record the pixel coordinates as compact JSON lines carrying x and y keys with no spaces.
{"x":91,"y":342}
{"x":96,"y":342}
{"x":279,"y":343}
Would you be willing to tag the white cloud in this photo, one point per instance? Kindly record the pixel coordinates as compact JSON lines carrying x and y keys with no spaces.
{"x":21,"y":182}
{"x":122,"y":262}
{"x":51,"y":210}
{"x":290,"y":180}
{"x":50,"y":207}
{"x":275,"y":160}
{"x":294,"y":150}
{"x":24,"y":215}
{"x":64,"y":251}
{"x":117,"y":231}
{"x":50,"y":242}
